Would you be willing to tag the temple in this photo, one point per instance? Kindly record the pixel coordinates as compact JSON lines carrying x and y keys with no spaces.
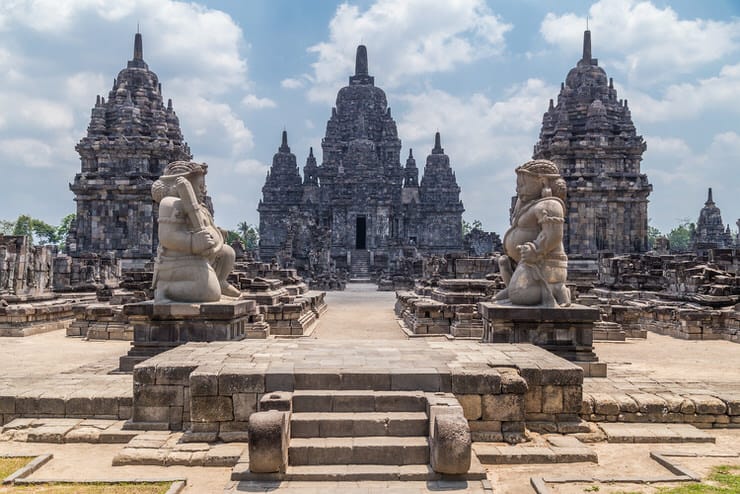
{"x":589,"y":134}
{"x":360,"y":206}
{"x":132,"y":136}
{"x":710,"y":231}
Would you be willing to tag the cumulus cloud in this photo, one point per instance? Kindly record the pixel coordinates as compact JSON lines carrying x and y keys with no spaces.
{"x":687,"y":100}
{"x":250,"y":167}
{"x":649,"y":43}
{"x":256,"y":103}
{"x":292,"y":83}
{"x":405,"y":40}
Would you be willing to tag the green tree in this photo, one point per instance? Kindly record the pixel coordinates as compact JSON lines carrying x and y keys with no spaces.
{"x":468,"y":227}
{"x":652,"y":234}
{"x":249,"y":234}
{"x":232,"y":236}
{"x":7,"y":227}
{"x":63,"y":229}
{"x":680,"y":237}
{"x":23,"y":226}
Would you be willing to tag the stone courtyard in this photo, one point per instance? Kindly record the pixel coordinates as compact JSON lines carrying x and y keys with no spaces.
{"x":75,"y":408}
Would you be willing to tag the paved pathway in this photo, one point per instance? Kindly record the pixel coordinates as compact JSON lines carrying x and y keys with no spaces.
{"x":360,"y":312}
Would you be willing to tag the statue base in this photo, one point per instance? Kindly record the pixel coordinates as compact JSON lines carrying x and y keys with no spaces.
{"x":565,"y":331}
{"x":159,"y":327}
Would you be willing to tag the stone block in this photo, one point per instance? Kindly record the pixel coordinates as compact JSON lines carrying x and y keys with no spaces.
{"x":268,"y":441}
{"x":158,"y":395}
{"x":533,"y":400}
{"x":471,"y":405}
{"x":242,"y":381}
{"x":706,"y":405}
{"x":503,"y":407}
{"x":552,"y":399}
{"x":151,"y":414}
{"x":280,"y":401}
{"x":203,"y":383}
{"x":450,"y":445}
{"x":476,"y":381}
{"x":245,"y":404}
{"x":512,"y":382}
{"x":211,"y":409}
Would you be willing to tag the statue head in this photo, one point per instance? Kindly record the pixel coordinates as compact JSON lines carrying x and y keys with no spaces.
{"x":539,"y":178}
{"x":194,"y":172}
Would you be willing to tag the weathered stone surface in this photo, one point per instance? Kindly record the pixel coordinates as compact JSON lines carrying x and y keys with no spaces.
{"x":268,"y":441}
{"x":450,"y":445}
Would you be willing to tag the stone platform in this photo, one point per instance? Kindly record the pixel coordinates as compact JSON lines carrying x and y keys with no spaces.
{"x":161,"y":327}
{"x":564,"y":331}
{"x":213,"y":388}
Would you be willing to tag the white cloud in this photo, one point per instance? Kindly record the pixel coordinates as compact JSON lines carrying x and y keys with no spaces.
{"x":250,"y":167}
{"x":32,"y":153}
{"x":291,"y":83}
{"x":687,"y":100}
{"x":477,"y":127}
{"x":405,"y":40}
{"x":254,"y":102}
{"x":649,"y":43}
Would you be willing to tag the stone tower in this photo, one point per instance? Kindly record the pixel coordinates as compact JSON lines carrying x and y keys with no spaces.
{"x":360,"y":206}
{"x":710,"y":231}
{"x":589,"y":134}
{"x":440,"y":204}
{"x":282,"y":195}
{"x":131,"y":137}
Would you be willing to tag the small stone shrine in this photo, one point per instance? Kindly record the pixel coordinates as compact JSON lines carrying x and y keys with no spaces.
{"x":710,"y":231}
{"x":535,"y":307}
{"x":361,"y":199}
{"x":132,"y":136}
{"x":589,"y":134}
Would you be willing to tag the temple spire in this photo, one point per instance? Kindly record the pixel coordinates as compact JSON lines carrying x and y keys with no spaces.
{"x":284,"y":145}
{"x":310,"y":152}
{"x":438,"y":145}
{"x":361,"y":61}
{"x":587,"y":46}
{"x":138,"y":47}
{"x":710,"y":201}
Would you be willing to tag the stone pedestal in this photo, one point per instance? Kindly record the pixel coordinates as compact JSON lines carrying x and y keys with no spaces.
{"x":160,"y":327}
{"x":564,"y":331}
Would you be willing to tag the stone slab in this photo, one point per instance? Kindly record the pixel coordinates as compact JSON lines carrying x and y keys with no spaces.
{"x":654,"y":433}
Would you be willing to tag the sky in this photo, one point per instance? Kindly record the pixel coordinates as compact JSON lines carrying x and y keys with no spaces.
{"x":479,"y":72}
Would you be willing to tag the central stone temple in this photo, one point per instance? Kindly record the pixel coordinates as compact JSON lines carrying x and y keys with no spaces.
{"x":360,"y":207}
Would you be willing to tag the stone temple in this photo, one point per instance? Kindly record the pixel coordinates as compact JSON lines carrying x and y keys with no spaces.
{"x":710,"y":231}
{"x":360,"y":207}
{"x":589,"y":134}
{"x":132,"y":136}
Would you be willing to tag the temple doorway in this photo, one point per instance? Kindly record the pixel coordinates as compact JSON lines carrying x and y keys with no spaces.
{"x":361,"y":233}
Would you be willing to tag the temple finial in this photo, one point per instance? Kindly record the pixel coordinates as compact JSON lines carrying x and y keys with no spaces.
{"x":587,"y":46}
{"x":411,"y":153}
{"x":437,"y":144}
{"x":310,"y":152}
{"x":361,"y":61}
{"x":710,"y":201}
{"x":138,"y":46}
{"x":284,"y":145}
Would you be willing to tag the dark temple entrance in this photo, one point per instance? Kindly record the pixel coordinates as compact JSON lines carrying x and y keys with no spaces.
{"x":360,"y":233}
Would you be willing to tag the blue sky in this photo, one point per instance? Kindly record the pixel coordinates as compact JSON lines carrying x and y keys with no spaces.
{"x":479,"y":72}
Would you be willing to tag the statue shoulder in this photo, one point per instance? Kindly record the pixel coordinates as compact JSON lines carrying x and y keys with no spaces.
{"x":170,"y":207}
{"x":550,"y":206}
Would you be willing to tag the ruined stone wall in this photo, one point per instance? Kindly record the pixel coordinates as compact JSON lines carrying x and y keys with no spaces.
{"x":25,"y":270}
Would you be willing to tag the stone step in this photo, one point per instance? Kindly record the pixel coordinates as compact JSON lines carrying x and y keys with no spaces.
{"x":349,"y":424}
{"x":356,"y":473}
{"x":358,"y":401}
{"x":374,"y":450}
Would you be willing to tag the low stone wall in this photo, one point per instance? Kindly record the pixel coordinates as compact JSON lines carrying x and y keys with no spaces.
{"x":48,"y":405}
{"x":27,"y":319}
{"x":692,"y":323}
{"x":701,"y":410}
{"x":101,"y":322}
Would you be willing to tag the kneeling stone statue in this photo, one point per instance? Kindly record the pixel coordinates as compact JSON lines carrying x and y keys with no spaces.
{"x":193,"y":261}
{"x":535,"y":267}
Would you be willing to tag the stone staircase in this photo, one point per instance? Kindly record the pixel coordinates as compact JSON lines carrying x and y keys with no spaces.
{"x":360,"y":267}
{"x":356,"y":435}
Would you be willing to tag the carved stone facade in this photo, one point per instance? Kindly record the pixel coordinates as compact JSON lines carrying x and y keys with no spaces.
{"x":367,"y":204}
{"x":710,"y":231}
{"x":132,"y":136}
{"x":589,"y":134}
{"x":26,"y":271}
